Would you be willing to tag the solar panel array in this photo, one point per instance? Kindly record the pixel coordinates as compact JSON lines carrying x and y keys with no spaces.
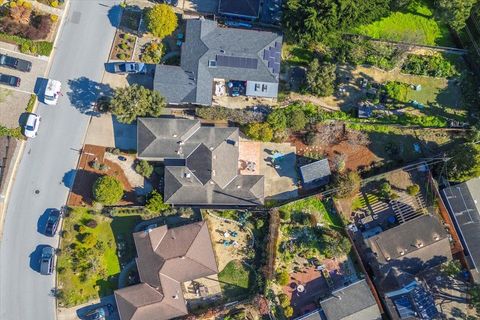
{"x":236,"y":62}
{"x":404,"y":307}
{"x":424,"y":302}
{"x":272,"y":57}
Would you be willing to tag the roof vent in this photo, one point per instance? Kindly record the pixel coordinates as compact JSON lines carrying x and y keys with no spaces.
{"x":239,"y":187}
{"x":181,"y":142}
{"x":182,"y":257}
{"x":436,"y":237}
{"x":188,"y":175}
{"x":175,"y":296}
{"x":211,"y":148}
{"x":402,"y":252}
{"x":213,"y":173}
{"x":387,"y":258}
{"x":222,"y":51}
{"x":419,"y":244}
{"x":175,"y":135}
{"x":211,"y":182}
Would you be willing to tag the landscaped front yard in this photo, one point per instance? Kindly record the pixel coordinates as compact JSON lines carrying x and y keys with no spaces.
{"x":88,"y":264}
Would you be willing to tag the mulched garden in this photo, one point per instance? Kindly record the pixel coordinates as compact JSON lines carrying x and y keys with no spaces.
{"x":81,"y":191}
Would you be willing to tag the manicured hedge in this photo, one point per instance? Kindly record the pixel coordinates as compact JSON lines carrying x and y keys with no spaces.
{"x":42,"y":48}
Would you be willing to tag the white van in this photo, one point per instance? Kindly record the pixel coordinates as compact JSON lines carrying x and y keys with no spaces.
{"x":52,"y":92}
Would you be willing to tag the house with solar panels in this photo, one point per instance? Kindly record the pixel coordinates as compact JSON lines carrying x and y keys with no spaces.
{"x":216,"y":60}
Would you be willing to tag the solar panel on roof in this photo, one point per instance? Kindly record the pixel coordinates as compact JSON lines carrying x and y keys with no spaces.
{"x":236,"y":62}
{"x":266,"y":54}
{"x":276,"y":68}
{"x":277,"y":44}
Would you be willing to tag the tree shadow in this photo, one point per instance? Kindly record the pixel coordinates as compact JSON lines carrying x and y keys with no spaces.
{"x":114,"y":15}
{"x":83,"y":92}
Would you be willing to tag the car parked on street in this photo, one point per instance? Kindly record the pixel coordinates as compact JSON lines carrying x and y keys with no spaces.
{"x":31,"y":126}
{"x":129,"y":67}
{"x":99,"y":313}
{"x":47,"y":260}
{"x":9,"y":80}
{"x":52,"y":91}
{"x":15,"y":63}
{"x":52,"y":222}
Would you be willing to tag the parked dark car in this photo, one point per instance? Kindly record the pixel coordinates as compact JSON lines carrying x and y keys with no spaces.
{"x":47,"y":260}
{"x":99,"y":313}
{"x":52,"y":222}
{"x":15,"y":63}
{"x":129,"y":67}
{"x":9,"y":80}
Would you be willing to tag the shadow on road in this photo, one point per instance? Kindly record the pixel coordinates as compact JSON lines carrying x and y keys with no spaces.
{"x":42,"y":221}
{"x":83,"y":92}
{"x":35,"y":257}
{"x":69,"y":178}
{"x":114,"y":15}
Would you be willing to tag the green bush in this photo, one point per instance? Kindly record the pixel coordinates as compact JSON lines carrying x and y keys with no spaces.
{"x":288,"y":311}
{"x":124,"y":46}
{"x":11,"y":132}
{"x":144,"y":168}
{"x":259,"y":223}
{"x":108,"y":190}
{"x":122,"y":56}
{"x":297,"y":120}
{"x":397,"y":90}
{"x":283,"y":278}
{"x":259,"y":131}
{"x":435,"y":66}
{"x":155,"y":203}
{"x":284,"y":300}
{"x":285,"y":215}
{"x":31,"y":103}
{"x":152,"y":53}
{"x":414,"y":189}
{"x":88,"y":239}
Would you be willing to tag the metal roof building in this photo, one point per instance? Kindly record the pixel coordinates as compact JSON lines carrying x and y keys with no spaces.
{"x":315,"y":174}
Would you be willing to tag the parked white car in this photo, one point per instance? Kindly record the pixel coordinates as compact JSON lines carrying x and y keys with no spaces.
{"x":31,"y":127}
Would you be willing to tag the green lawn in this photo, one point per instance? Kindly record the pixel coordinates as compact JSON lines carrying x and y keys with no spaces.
{"x":235,"y":279}
{"x":87,"y":271}
{"x":415,"y":24}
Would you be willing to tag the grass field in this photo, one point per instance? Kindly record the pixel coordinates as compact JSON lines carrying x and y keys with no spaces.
{"x":416,"y":24}
{"x":235,"y":279}
{"x":87,"y":271}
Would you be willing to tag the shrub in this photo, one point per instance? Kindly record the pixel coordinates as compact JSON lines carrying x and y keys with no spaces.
{"x":321,"y":78}
{"x":31,"y":103}
{"x":20,"y":14}
{"x":283,"y":278}
{"x":284,"y":301}
{"x":108,"y":190}
{"x":413,"y":190}
{"x":288,"y":311}
{"x":240,"y":116}
{"x":285,"y":215}
{"x":103,"y":167}
{"x":11,"y":132}
{"x":88,"y":239}
{"x":54,"y":17}
{"x":144,"y":168}
{"x":435,"y":66}
{"x":54,"y":3}
{"x":185,"y":212}
{"x":155,"y":203}
{"x":259,"y":131}
{"x":397,"y":90}
{"x":161,"y":20}
{"x":123,"y":46}
{"x":297,"y":120}
{"x":152,"y":53}
{"x":259,"y":223}
{"x":91,"y":223}
{"x":346,"y":184}
{"x":122,"y":56}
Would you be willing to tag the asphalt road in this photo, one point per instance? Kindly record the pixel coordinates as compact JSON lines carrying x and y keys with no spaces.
{"x":81,"y":51}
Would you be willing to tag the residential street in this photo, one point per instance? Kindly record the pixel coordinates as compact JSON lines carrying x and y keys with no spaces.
{"x":45,"y":170}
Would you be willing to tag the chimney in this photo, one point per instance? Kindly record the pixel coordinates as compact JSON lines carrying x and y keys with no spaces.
{"x":419,"y":244}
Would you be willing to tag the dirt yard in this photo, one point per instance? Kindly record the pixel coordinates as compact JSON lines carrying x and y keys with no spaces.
{"x":85,"y":177}
{"x":221,"y":232}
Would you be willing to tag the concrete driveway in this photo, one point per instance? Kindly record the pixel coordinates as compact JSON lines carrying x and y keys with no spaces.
{"x":28,"y":79}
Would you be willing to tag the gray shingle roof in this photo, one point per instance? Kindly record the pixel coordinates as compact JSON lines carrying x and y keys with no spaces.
{"x":353,"y":302}
{"x":316,"y":174}
{"x":241,"y":8}
{"x":208,"y":173}
{"x":166,"y":259}
{"x":204,"y":40}
{"x":412,"y":246}
{"x":463,"y":202}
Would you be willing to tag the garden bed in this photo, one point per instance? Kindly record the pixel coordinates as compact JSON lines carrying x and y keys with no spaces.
{"x":89,"y":263}
{"x":123,"y":46}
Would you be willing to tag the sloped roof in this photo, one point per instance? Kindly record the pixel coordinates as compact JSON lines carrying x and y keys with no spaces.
{"x":204,"y":42}
{"x":166,"y":259}
{"x":208,"y":172}
{"x":463,"y":202}
{"x":316,"y":173}
{"x":353,"y":302}
{"x":241,"y":8}
{"x":412,"y":246}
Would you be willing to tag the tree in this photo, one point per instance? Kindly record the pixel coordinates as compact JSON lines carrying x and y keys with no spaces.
{"x":283,"y":278}
{"x":277,"y":120}
{"x":285,"y":215}
{"x":347,"y":184}
{"x":136,"y":101}
{"x":152,"y":53}
{"x":455,"y":12}
{"x":321,"y":78}
{"x":161,"y":20}
{"x":474,"y":293}
{"x":155,"y":203}
{"x":288,"y":311}
{"x":259,"y":131}
{"x":297,"y":120}
{"x":413,"y":190}
{"x":144,"y":168}
{"x":451,"y":268}
{"x":464,"y":163}
{"x":284,"y":301}
{"x":108,"y":190}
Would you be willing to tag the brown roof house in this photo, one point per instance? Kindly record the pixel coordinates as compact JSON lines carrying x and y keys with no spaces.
{"x":166,"y":259}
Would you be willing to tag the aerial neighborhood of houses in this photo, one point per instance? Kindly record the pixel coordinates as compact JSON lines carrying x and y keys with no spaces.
{"x":239,"y":159}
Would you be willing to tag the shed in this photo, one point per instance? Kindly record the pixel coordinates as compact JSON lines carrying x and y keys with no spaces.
{"x":315,"y":174}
